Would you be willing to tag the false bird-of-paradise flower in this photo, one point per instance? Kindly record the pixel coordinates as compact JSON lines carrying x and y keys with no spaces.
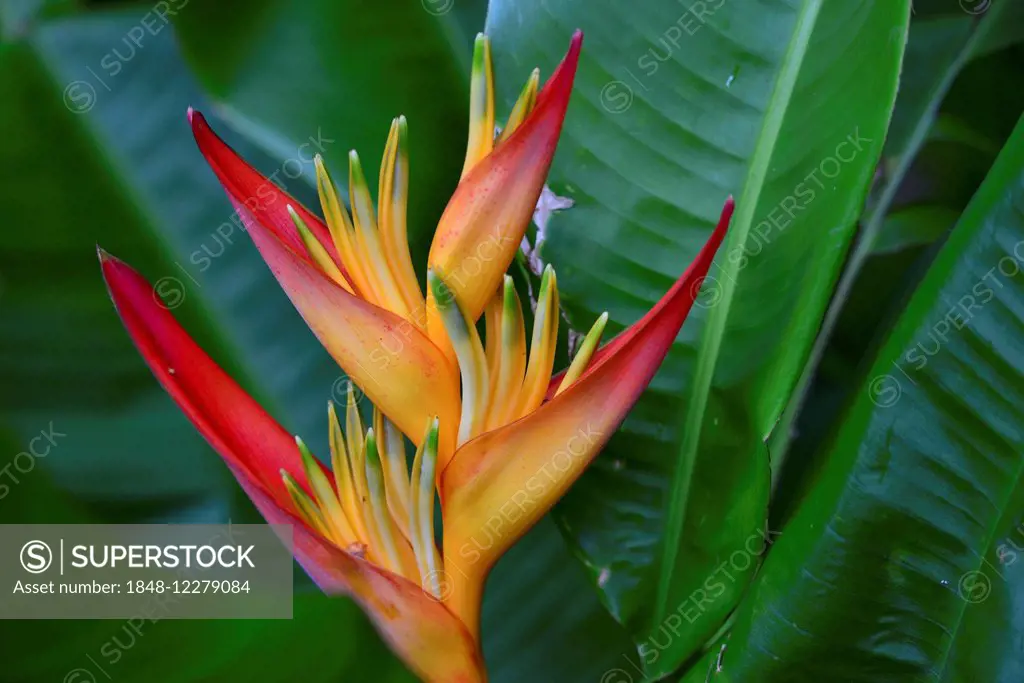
{"x":498,"y":438}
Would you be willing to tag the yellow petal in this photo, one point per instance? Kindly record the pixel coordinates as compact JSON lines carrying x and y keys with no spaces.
{"x":492,"y":339}
{"x":542,"y":346}
{"x":338,"y":526}
{"x":584,"y":354}
{"x":471,"y":355}
{"x":354,"y":438}
{"x":344,"y":480}
{"x":424,"y":473}
{"x":392,"y":201}
{"x":368,"y":239}
{"x":305,"y":506}
{"x":340,"y":227}
{"x":511,"y":360}
{"x":317,"y":252}
{"x":524,"y":105}
{"x":391,"y":447}
{"x":385,"y":545}
{"x":481,"y":105}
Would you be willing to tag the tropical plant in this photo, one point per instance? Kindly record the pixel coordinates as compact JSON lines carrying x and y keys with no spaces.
{"x":822,"y":481}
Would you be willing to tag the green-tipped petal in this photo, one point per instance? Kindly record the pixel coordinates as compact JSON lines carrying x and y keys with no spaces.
{"x":344,"y":479}
{"x":481,"y":105}
{"x":367,"y":239}
{"x":388,"y":547}
{"x":391,"y":448}
{"x":542,"y":346}
{"x":470,"y":353}
{"x":304,"y":505}
{"x":428,"y":560}
{"x":334,"y":516}
{"x":511,"y":360}
{"x":524,"y":105}
{"x":492,"y":337}
{"x":584,"y":354}
{"x":317,"y":252}
{"x":341,"y":230}
{"x":392,"y":202}
{"x":356,"y":447}
{"x":363,"y":213}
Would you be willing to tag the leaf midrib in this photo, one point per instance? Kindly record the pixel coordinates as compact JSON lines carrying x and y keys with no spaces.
{"x":865,"y":243}
{"x":768,"y":138}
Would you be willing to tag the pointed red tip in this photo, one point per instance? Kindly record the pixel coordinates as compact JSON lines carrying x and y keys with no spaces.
{"x":559,"y":85}
{"x":564,"y":74}
{"x":199,"y":125}
{"x":189,"y":113}
{"x":707,"y":253}
{"x":572,"y":55}
{"x":111,"y":266}
{"x":264,"y":200}
{"x":724,"y":219}
{"x":694,"y":273}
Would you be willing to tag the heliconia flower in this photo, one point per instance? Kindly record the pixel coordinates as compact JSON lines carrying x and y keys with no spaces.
{"x":498,"y":439}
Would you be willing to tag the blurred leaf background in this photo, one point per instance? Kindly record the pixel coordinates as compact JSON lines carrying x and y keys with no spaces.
{"x":96,"y":150}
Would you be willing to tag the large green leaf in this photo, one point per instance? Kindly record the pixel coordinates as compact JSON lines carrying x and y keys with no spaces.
{"x":59,"y":344}
{"x":900,"y":563}
{"x":675,"y":109}
{"x":940,"y":48}
{"x":976,"y":116}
